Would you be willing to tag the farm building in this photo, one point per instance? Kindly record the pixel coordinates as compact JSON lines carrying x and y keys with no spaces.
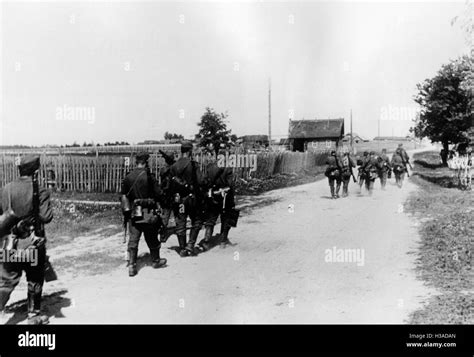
{"x":318,"y":133}
{"x":254,"y":141}
{"x":357,"y":138}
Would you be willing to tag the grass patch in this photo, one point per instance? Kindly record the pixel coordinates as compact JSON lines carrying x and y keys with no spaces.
{"x":70,"y":222}
{"x":445,"y":257}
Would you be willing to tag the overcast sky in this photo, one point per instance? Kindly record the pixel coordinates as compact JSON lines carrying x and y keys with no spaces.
{"x":143,"y":68}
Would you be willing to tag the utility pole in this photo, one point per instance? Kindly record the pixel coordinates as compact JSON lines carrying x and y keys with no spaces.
{"x":269,"y":111}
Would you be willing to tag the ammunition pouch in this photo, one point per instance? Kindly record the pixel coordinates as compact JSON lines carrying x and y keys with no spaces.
{"x":332,"y":173}
{"x":7,"y":221}
{"x":145,"y":211}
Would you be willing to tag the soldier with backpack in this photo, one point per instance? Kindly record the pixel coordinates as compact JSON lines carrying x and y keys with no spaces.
{"x":333,"y":173}
{"x":347,"y":163}
{"x":219,"y":201}
{"x":370,"y":169}
{"x":384,"y":168}
{"x":186,"y":187}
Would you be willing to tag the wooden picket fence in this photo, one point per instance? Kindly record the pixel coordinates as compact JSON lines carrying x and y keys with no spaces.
{"x":105,"y":173}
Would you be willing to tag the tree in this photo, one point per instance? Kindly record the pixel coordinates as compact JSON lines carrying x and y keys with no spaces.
{"x":170,"y":136}
{"x":445,"y":114}
{"x":213,"y":129}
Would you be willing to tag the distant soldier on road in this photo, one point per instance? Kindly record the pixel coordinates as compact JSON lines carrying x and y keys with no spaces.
{"x":143,"y":193}
{"x":333,"y":173}
{"x":384,"y":168}
{"x":403,"y":154}
{"x":347,"y":163}
{"x":370,"y":168}
{"x":32,"y":206}
{"x":186,"y":186}
{"x":361,"y":176}
{"x":399,"y":167}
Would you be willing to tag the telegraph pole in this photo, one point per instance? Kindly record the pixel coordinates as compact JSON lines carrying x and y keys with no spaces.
{"x":269,"y":111}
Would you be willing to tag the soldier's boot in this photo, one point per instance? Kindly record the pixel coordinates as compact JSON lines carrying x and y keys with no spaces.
{"x":225,"y":228}
{"x":338,"y":187}
{"x":182,"y":245}
{"x":132,"y":265}
{"x":193,"y":234}
{"x":205,"y":242}
{"x":332,"y":192}
{"x":34,"y":315}
{"x":156,"y":261}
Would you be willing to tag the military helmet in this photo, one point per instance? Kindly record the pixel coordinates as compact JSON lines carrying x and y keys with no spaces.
{"x":29,"y":164}
{"x":186,"y":146}
{"x":142,"y":156}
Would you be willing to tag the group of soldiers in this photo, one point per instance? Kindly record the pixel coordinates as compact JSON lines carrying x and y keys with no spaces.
{"x":370,"y":167}
{"x":184,"y":190}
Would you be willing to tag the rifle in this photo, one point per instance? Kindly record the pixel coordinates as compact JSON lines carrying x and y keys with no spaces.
{"x":40,"y":240}
{"x":168,"y":158}
{"x":352,"y":174}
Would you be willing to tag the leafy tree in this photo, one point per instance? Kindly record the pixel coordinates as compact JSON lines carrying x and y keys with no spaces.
{"x":170,"y":136}
{"x":445,"y":100}
{"x":213,"y":129}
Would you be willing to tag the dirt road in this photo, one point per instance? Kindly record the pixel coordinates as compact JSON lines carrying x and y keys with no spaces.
{"x":277,"y":273}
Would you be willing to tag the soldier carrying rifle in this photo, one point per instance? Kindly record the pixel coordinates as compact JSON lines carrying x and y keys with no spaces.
{"x":219,"y":201}
{"x":31,"y":207}
{"x":140,"y":204}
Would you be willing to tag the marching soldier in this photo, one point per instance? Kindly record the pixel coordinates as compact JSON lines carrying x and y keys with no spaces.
{"x":370,"y":171}
{"x":361,"y":175}
{"x":399,"y":167}
{"x":167,"y":196}
{"x":142,"y":192}
{"x":403,"y":154}
{"x":219,"y":201}
{"x":333,"y":173}
{"x":384,"y":168}
{"x":32,"y":207}
{"x":186,"y":186}
{"x":347,"y":163}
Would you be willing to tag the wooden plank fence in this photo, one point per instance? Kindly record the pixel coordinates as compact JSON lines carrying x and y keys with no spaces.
{"x":104,"y":173}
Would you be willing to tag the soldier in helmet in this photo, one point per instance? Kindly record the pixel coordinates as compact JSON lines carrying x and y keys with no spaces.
{"x":186,"y":187}
{"x":370,"y":168}
{"x":219,"y":200}
{"x":361,"y":175}
{"x":347,"y":163}
{"x":384,"y":168}
{"x":32,"y":207}
{"x":166,"y":202}
{"x":333,"y":173}
{"x":142,"y":190}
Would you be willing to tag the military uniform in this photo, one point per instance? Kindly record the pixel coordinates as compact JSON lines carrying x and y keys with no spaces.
{"x":347,"y":163}
{"x":166,"y":197}
{"x":186,"y":185}
{"x":370,"y":168}
{"x":219,"y":200}
{"x":361,"y":173}
{"x":384,"y":169}
{"x":333,"y":173}
{"x":144,"y":193}
{"x":19,"y":196}
{"x":399,"y":168}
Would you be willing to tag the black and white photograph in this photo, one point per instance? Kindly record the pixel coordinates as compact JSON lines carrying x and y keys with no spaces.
{"x":236,"y":163}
